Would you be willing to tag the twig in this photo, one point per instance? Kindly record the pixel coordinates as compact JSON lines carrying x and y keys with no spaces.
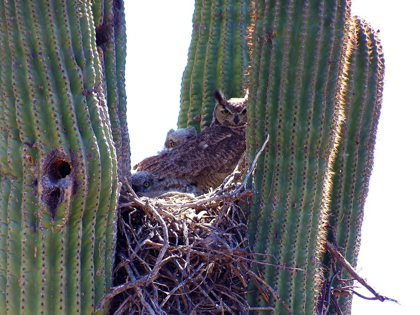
{"x":142,"y":281}
{"x":328,"y":295}
{"x":234,"y":174}
{"x":170,"y":294}
{"x":165,"y":245}
{"x":270,"y":289}
{"x":207,"y":290}
{"x":119,"y":289}
{"x":122,"y":307}
{"x":218,"y":197}
{"x":212,"y":197}
{"x":251,"y":169}
{"x":346,"y":265}
{"x":370,"y":298}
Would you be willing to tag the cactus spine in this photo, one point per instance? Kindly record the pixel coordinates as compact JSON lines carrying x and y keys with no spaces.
{"x":111,"y":43}
{"x":216,"y":59}
{"x":58,"y":163}
{"x":354,"y":163}
{"x":308,"y":78}
{"x":296,"y":76}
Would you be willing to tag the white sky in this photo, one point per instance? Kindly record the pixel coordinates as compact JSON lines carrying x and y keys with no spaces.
{"x":159,"y":34}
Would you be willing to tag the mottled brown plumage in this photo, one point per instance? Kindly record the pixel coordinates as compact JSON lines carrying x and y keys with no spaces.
{"x":150,"y":185}
{"x":205,"y":159}
{"x":176,"y":137}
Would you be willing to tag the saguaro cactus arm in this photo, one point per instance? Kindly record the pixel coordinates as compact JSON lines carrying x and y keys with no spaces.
{"x":354,"y":162}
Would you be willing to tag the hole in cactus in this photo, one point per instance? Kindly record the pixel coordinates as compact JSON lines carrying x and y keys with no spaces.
{"x":59,"y":169}
{"x":104,"y":34}
{"x":53,"y":199}
{"x":56,"y":181}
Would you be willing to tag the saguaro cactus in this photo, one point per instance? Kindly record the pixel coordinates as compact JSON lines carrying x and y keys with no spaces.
{"x":306,"y":79}
{"x":354,"y":162}
{"x":58,"y":163}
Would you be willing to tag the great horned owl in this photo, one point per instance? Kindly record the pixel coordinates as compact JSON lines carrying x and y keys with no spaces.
{"x":207,"y":158}
{"x":151,"y":185}
{"x":176,"y":137}
{"x":231,"y":112}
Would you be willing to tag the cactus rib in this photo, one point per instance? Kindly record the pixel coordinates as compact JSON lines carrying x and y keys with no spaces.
{"x":294,"y":101}
{"x":353,"y":166}
{"x":60,"y":159}
{"x":218,"y":50}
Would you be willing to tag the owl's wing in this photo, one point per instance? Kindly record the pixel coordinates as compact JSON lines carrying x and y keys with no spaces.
{"x":214,"y":150}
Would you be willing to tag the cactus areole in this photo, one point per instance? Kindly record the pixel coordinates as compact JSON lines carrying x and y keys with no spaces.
{"x":58,"y":158}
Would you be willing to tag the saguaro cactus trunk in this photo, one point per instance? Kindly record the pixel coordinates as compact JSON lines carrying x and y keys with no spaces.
{"x":300,"y":51}
{"x":307,"y":79}
{"x":58,"y":163}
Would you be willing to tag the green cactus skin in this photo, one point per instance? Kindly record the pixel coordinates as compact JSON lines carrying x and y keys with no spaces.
{"x":217,"y":59}
{"x":354,"y":162}
{"x":111,"y":42}
{"x":296,"y":75}
{"x":121,"y":54}
{"x":58,"y":163}
{"x":4,"y":197}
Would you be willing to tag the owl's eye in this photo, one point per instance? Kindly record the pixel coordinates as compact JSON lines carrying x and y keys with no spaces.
{"x":244,"y":111}
{"x":172,"y":144}
{"x":225,"y":112}
{"x":146,"y":184}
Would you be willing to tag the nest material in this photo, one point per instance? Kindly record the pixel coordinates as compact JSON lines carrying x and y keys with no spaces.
{"x":180,"y":254}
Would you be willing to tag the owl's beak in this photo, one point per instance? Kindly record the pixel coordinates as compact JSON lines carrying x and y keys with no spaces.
{"x":236,"y":119}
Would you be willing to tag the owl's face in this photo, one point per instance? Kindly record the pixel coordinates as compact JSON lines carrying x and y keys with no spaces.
{"x":230,"y":113}
{"x":176,"y":137}
{"x":144,"y":182}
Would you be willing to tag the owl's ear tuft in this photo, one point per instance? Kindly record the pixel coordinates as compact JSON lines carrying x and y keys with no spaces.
{"x":220,"y":98}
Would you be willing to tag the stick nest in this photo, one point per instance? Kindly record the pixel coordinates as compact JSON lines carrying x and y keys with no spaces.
{"x":181,"y":254}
